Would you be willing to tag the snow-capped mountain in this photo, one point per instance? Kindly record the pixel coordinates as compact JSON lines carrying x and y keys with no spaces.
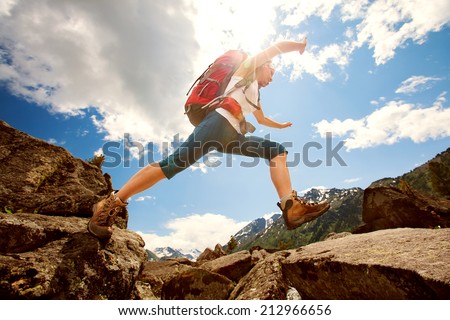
{"x":190,"y":254}
{"x":168,"y":252}
{"x":255,"y":227}
{"x":333,"y":195}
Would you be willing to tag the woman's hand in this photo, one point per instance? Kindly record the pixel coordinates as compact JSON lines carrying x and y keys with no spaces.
{"x":303,"y":45}
{"x":286,"y":125}
{"x":263,"y":120}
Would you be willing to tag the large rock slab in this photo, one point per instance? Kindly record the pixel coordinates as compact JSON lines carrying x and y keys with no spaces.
{"x":197,"y":284}
{"x":38,"y":177}
{"x":387,"y":264}
{"x":156,"y":273}
{"x":265,"y":281}
{"x":233,"y":266}
{"x":51,"y":257}
{"x":389,"y":207}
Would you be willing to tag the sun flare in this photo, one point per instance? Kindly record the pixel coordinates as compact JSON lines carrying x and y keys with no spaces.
{"x":246,"y":25}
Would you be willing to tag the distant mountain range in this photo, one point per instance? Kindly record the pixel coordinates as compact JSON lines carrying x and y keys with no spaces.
{"x":432,"y":178}
{"x":168,"y":253}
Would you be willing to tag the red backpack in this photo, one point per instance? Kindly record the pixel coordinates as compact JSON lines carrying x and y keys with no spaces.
{"x":212,"y":84}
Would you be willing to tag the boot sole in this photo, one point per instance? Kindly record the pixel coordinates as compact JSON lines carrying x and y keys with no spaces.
{"x":94,"y":207}
{"x":95,"y":234}
{"x":304,"y":219}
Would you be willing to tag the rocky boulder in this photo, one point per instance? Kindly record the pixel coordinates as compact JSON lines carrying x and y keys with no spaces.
{"x":209,"y":254}
{"x":50,"y":257}
{"x":390,"y":207}
{"x":265,"y":281}
{"x":197,"y":284}
{"x":38,"y":177}
{"x":234,"y":266}
{"x":387,"y":264}
{"x":156,"y":273}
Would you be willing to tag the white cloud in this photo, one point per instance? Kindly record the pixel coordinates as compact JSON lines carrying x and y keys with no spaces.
{"x":383,"y":25}
{"x":388,"y":25}
{"x":415,"y":84}
{"x":352,"y":180}
{"x":197,"y":231}
{"x":315,"y":60}
{"x":56,"y":142}
{"x":297,"y":12}
{"x":354,"y":9}
{"x":5,"y":7}
{"x":144,"y":198}
{"x":134,"y":68}
{"x":395,"y":121}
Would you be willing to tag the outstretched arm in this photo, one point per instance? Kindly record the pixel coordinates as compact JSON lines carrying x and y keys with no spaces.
{"x":250,"y":65}
{"x":263,"y":120}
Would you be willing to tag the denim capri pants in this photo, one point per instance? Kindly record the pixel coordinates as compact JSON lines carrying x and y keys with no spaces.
{"x":215,"y":132}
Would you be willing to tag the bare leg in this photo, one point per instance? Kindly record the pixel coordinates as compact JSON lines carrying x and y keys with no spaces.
{"x":144,"y":179}
{"x":279,"y":173}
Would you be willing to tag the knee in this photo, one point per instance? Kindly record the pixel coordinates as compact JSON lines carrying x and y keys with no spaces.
{"x":279,"y":160}
{"x":279,"y":153}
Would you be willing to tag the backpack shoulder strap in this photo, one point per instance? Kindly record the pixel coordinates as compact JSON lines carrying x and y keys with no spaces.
{"x":244,"y":82}
{"x":247,"y":82}
{"x":250,"y":102}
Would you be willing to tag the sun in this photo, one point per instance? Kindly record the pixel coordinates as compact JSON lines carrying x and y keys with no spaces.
{"x":245,"y":25}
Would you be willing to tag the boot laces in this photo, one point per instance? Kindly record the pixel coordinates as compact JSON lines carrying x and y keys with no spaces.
{"x":109,"y":212}
{"x":302,"y":201}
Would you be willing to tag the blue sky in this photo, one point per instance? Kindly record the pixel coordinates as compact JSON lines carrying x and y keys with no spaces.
{"x":86,"y":74}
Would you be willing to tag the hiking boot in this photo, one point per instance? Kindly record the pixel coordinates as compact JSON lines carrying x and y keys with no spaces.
{"x":104,"y":214}
{"x":297,"y":212}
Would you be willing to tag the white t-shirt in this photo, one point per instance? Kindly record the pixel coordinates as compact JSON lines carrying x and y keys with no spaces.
{"x":252,"y":94}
